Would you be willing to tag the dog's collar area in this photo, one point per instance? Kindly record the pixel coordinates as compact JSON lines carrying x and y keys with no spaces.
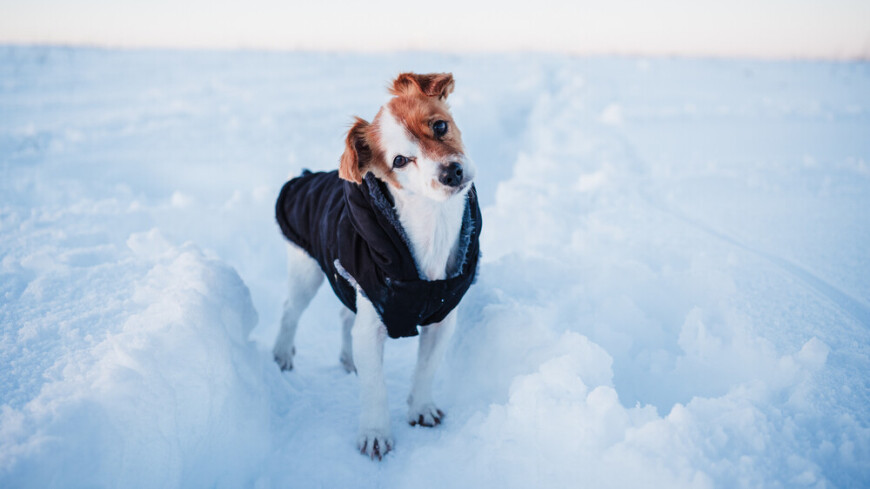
{"x":377,"y":186}
{"x":384,"y":203}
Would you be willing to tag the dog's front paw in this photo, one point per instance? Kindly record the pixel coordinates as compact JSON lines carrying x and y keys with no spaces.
{"x":284,"y":358}
{"x":374,"y":444}
{"x":425,"y":415}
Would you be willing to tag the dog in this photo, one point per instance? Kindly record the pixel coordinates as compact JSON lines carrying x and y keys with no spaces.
{"x":395,"y":230}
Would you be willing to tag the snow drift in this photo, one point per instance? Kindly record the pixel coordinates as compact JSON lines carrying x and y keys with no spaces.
{"x":169,"y":395}
{"x":672,"y":294}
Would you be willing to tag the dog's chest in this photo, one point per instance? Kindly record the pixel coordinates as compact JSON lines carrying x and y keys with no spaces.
{"x":433,"y":230}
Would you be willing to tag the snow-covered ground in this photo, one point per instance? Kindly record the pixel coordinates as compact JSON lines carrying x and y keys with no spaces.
{"x":675,"y":289}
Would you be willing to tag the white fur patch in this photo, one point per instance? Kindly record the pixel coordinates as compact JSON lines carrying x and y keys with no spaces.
{"x":395,"y":138}
{"x":433,"y":229}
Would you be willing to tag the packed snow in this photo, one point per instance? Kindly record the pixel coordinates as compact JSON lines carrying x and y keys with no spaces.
{"x":674,"y":287}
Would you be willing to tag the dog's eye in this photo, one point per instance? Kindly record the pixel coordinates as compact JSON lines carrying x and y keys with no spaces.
{"x":400,"y":161}
{"x":439,"y":128}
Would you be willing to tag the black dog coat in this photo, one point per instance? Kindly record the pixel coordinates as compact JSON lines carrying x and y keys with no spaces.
{"x":355,"y":235}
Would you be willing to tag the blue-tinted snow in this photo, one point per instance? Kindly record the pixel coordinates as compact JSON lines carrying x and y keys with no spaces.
{"x":674,"y":290}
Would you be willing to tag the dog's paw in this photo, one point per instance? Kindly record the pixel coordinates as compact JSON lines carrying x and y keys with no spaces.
{"x":347,"y":362}
{"x":284,"y":358}
{"x":426,"y":415}
{"x":374,"y":444}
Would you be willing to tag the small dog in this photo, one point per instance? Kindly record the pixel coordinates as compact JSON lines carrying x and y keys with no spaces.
{"x":396,"y":232}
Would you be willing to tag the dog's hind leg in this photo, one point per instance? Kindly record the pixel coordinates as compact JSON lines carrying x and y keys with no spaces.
{"x":346,"y":358}
{"x":434,"y":339}
{"x":305,"y":279}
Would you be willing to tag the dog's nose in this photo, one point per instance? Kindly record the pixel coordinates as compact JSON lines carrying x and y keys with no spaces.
{"x":451,"y":175}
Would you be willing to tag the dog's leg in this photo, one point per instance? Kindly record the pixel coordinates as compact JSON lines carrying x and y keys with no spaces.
{"x":346,"y":358}
{"x":368,"y":335}
{"x":434,"y":339}
{"x":305,"y":279}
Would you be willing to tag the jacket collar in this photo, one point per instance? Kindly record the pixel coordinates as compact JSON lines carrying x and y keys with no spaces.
{"x":374,"y":217}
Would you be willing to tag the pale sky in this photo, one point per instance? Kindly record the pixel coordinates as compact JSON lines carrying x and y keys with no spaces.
{"x":762,"y":28}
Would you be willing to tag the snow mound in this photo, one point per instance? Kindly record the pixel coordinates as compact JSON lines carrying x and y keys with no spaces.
{"x":173,"y":397}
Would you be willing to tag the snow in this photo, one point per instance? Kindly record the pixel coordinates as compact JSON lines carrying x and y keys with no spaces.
{"x":174,"y":385}
{"x":674,"y":287}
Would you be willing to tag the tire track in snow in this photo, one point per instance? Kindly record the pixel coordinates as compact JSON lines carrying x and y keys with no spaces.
{"x":848,"y":304}
{"x":852,"y":306}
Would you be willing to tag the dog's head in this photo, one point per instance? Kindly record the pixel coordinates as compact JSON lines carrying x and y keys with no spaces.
{"x":412,"y":144}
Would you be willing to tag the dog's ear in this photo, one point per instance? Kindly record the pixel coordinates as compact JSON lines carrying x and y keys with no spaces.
{"x":357,"y":153}
{"x":432,"y":85}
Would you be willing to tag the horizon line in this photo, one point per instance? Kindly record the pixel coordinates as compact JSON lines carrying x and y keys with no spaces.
{"x":590,"y":53}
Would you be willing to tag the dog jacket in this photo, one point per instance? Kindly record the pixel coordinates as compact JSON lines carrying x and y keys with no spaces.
{"x":354,"y":233}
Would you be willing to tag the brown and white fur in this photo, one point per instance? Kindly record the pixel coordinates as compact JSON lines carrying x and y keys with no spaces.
{"x":430,"y":207}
